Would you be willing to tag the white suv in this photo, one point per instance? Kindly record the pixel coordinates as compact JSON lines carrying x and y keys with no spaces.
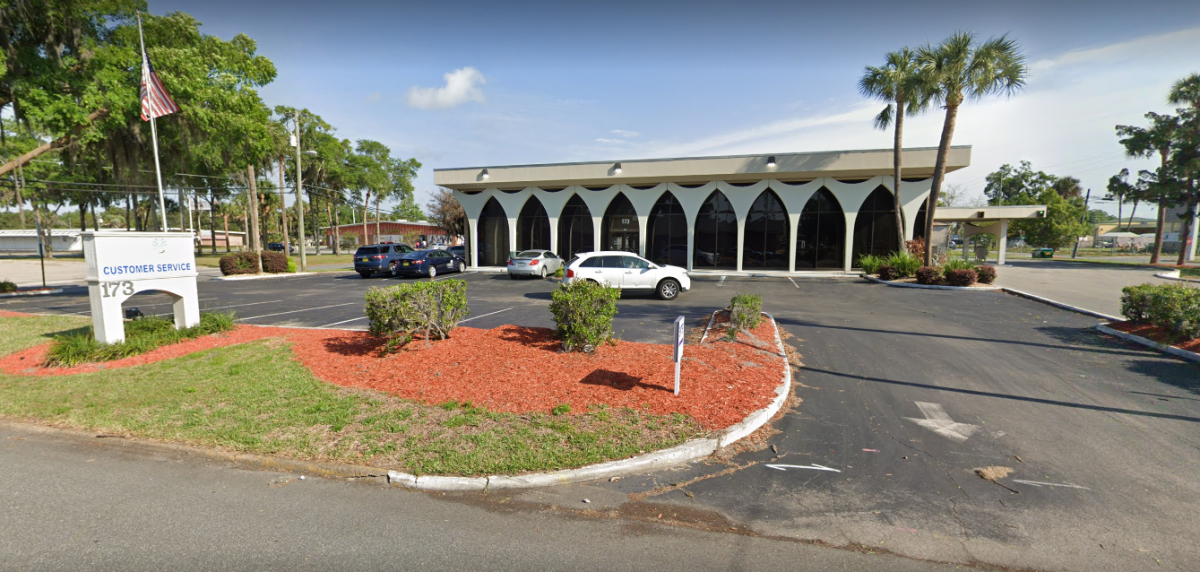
{"x":628,"y":272}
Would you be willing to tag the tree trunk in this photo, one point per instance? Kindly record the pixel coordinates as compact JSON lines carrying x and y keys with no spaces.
{"x":52,"y":145}
{"x":225,"y":219}
{"x":366,"y":209}
{"x":317,"y":224}
{"x":897,"y":181}
{"x":376,"y":217}
{"x":212,"y":223}
{"x":337,"y":233}
{"x":332,"y":226}
{"x":128,"y":207}
{"x":20,"y":200}
{"x":1131,"y":213}
{"x":283,"y":210}
{"x":1185,"y":234}
{"x":83,"y":209}
{"x":939,"y":174}
{"x":1162,"y":213}
{"x":254,"y":230}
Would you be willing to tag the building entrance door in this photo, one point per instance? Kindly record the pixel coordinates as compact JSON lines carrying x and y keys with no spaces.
{"x":623,"y":240}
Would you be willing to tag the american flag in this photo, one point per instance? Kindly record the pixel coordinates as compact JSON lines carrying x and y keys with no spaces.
{"x":155,"y":100}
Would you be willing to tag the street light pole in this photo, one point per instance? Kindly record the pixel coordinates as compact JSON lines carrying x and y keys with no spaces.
{"x":300,"y":198}
{"x":1086,"y":198}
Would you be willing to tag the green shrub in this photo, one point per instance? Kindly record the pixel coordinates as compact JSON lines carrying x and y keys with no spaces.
{"x":291,"y":266}
{"x":238,"y":263}
{"x":905,"y":263}
{"x":1174,"y":307}
{"x":870,"y":263}
{"x":275,"y":262}
{"x":141,"y":335}
{"x":986,"y":273}
{"x":583,"y":312}
{"x":562,"y":409}
{"x":398,"y":313}
{"x":962,"y":277}
{"x":956,"y":264}
{"x":7,"y":286}
{"x":888,"y":272}
{"x":929,"y":275}
{"x":745,"y":312}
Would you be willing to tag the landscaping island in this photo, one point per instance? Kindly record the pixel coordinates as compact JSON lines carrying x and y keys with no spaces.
{"x":481,"y":402}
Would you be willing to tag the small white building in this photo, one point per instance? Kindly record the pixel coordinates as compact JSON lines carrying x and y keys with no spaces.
{"x":26,"y":241}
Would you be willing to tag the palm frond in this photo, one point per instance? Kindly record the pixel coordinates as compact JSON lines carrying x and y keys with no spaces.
{"x":884,"y":119}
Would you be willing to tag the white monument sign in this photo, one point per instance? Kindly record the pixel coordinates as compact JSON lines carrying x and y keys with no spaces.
{"x":121,"y":264}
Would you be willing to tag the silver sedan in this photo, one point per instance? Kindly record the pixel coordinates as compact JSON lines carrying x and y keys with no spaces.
{"x":541,"y":263}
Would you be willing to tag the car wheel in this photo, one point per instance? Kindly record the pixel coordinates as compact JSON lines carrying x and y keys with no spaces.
{"x":392,"y":269}
{"x":458,"y":267}
{"x":543,"y":273}
{"x":512,"y":276}
{"x":432,"y":271}
{"x":365,"y":274}
{"x":668,"y":289}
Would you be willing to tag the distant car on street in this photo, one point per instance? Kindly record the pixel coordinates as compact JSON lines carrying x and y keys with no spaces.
{"x":377,"y":258}
{"x":278,"y":247}
{"x":628,"y":272}
{"x":537,"y":262}
{"x":428,"y":263}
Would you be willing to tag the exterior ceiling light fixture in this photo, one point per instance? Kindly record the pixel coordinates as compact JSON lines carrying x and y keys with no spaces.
{"x":771,"y":162}
{"x":484,"y":174}
{"x":617,"y":168}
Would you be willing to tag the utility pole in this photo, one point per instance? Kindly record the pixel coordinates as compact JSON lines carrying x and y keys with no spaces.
{"x":300,"y":198}
{"x":255,"y":239}
{"x":1086,"y":198}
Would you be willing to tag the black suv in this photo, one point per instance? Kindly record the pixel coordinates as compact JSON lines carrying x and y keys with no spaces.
{"x":278,"y":247}
{"x":370,"y":260}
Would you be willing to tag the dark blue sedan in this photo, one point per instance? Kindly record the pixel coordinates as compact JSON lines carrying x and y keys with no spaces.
{"x":428,"y":263}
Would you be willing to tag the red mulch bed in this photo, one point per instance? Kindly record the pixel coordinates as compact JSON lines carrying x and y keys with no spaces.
{"x":10,"y":314}
{"x":1155,"y":333}
{"x":513,"y":369}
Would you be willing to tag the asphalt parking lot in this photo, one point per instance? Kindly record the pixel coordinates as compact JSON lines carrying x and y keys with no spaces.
{"x":1102,"y":437}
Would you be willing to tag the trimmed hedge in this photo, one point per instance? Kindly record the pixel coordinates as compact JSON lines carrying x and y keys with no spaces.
{"x":961,"y":277}
{"x":888,"y":272}
{"x":583,"y":312}
{"x":956,"y":264}
{"x":243,"y":263}
{"x":1174,"y":307}
{"x":238,"y":263}
{"x":431,"y":309}
{"x":745,"y":312}
{"x":986,"y":273}
{"x":929,"y":275}
{"x":7,"y":286}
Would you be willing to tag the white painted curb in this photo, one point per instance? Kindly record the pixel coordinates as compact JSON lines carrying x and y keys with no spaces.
{"x":1175,"y":275}
{"x":677,"y":455}
{"x":1057,"y":304}
{"x":932,"y":286}
{"x":46,"y":292}
{"x":1191,"y":356}
{"x":262,"y":276}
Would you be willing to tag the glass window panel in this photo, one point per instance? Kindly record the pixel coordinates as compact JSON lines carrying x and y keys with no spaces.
{"x":620,"y":225}
{"x":493,"y":235}
{"x":575,"y":233}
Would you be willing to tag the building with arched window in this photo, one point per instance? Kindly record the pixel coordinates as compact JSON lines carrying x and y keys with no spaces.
{"x":788,"y":212}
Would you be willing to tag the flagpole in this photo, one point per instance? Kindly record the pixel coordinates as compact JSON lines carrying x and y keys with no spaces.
{"x":162,"y":205}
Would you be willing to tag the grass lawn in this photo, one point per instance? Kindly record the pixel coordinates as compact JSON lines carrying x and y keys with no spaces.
{"x":212,"y":261}
{"x":1190,"y":272}
{"x":80,"y":345}
{"x":257,"y":398}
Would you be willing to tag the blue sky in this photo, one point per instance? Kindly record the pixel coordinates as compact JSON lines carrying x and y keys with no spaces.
{"x":458,"y":84}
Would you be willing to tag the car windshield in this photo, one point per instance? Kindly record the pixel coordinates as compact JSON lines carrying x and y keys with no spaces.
{"x":530,"y":254}
{"x":366,"y":250}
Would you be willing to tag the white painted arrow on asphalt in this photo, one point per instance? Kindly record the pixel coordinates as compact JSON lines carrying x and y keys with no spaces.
{"x":813,"y":467}
{"x":940,"y":422}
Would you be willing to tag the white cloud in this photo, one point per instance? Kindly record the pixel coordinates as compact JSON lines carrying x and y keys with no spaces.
{"x":462,"y":86}
{"x":373,"y":97}
{"x":611,"y":141}
{"x":624,"y":133}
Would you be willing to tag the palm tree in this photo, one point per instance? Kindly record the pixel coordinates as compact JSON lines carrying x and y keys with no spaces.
{"x":954,"y":71}
{"x":898,"y":83}
{"x":1143,"y":142}
{"x":1186,"y":93}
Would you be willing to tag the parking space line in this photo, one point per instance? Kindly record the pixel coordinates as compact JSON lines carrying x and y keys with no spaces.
{"x":240,"y":305}
{"x":721,"y":282}
{"x":294,"y":311}
{"x":793,"y":282}
{"x":343,"y":322}
{"x":483,"y":316}
{"x":138,"y":306}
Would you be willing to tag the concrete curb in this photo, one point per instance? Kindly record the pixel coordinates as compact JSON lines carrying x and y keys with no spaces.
{"x":932,"y":286}
{"x":677,"y":455}
{"x":1175,"y":275}
{"x":39,"y":292}
{"x":261,"y":276}
{"x":1190,"y":356}
{"x":779,"y":274}
{"x":1057,"y":304}
{"x":487,"y":270}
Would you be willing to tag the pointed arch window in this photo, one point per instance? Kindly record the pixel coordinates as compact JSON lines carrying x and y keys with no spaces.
{"x":768,"y":238}
{"x":875,"y":226}
{"x":575,"y":233}
{"x":533,"y":226}
{"x":716,"y":234}
{"x":666,"y":240}
{"x":821,"y":235}
{"x":493,"y":235}
{"x":619,"y":228}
